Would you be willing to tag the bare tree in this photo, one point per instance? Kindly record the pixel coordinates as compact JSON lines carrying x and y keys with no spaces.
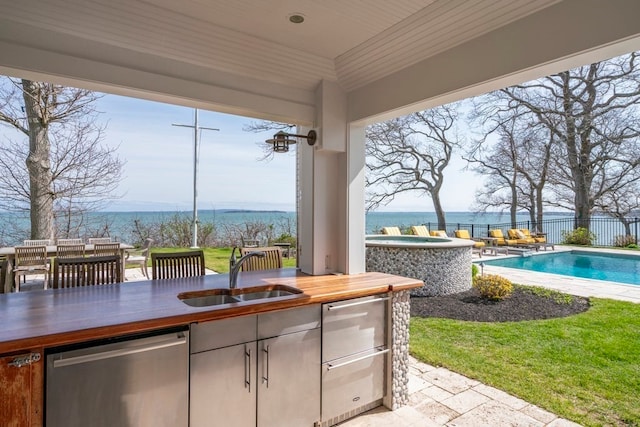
{"x":622,"y":205}
{"x":498,"y":162}
{"x":68,"y":172}
{"x":410,"y":154}
{"x":593,"y":113}
{"x":517,"y":163}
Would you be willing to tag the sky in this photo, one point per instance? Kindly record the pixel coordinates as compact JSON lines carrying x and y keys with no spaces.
{"x":158,"y":173}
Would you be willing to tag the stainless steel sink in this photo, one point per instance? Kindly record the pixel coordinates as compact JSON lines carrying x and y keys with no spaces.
{"x":212,"y":297}
{"x":206,"y":301}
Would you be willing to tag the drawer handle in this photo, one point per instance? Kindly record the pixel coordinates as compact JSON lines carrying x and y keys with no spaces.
{"x":265,"y":378}
{"x":353,"y":304}
{"x":357,"y":359}
{"x":25,"y":360}
{"x":247,"y":368}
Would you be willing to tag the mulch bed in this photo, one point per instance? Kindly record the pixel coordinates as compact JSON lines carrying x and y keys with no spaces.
{"x":521,"y":305}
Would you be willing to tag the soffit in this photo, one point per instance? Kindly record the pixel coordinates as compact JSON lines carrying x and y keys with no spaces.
{"x":352,"y":42}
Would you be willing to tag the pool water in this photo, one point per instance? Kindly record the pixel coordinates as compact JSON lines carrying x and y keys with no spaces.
{"x":587,"y":265}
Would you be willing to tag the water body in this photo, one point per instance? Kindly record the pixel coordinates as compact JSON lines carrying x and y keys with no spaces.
{"x":121,"y":223}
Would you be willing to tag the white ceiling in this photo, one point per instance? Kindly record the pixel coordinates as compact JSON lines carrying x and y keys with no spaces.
{"x":387,"y":57}
{"x":353,"y":42}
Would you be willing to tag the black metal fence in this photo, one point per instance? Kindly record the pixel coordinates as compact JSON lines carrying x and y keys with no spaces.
{"x":608,"y":231}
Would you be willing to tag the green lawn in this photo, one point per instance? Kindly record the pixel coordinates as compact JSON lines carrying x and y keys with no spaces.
{"x":585,"y":368}
{"x":217,"y":259}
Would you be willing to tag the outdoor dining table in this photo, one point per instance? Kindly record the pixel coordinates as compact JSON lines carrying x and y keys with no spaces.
{"x":9,"y":253}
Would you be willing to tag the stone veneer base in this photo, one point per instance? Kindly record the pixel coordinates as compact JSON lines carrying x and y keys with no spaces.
{"x":444,"y":270}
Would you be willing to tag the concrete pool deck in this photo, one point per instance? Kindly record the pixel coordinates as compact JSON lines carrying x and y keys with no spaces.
{"x":568,"y":284}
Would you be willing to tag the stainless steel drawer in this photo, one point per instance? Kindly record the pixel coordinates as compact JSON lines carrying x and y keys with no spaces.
{"x":353,"y":326}
{"x":222,"y":333}
{"x":352,"y":382}
{"x":289,"y":321}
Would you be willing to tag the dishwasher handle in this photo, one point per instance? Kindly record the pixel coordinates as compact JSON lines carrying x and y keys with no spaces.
{"x":109,"y":354}
{"x":332,"y":307}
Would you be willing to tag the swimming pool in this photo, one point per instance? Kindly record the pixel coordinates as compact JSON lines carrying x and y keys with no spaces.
{"x":588,"y":265}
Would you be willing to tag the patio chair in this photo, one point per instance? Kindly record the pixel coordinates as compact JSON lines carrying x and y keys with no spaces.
{"x":519,"y":237}
{"x":271,"y":260}
{"x":81,"y":271}
{"x":540,"y":238}
{"x":140,"y":257}
{"x":478,"y":246}
{"x":41,"y":242}
{"x":420,"y":230}
{"x":103,"y":249}
{"x":249,"y":243}
{"x":391,"y":231}
{"x":438,"y":233}
{"x":94,"y":240}
{"x":30,"y":260}
{"x":70,"y":242}
{"x":500,"y":239}
{"x":70,"y":250}
{"x":174,"y":265}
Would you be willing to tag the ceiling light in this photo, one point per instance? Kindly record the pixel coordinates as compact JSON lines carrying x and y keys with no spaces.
{"x":296,"y":18}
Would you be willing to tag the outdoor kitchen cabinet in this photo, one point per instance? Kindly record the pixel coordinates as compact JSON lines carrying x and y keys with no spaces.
{"x":354,"y":356}
{"x":21,"y":389}
{"x":259,"y":370}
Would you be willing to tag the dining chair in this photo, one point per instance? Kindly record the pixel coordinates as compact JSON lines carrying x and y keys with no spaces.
{"x":106,"y":249}
{"x":30,"y":260}
{"x":94,"y":240}
{"x":70,"y":242}
{"x":86,"y":271}
{"x":40,"y":242}
{"x":140,"y":257}
{"x":173,"y":265}
{"x":271,"y":260}
{"x":70,"y":250}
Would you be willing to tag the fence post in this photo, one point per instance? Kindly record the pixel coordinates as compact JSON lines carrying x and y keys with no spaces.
{"x":635,"y":220}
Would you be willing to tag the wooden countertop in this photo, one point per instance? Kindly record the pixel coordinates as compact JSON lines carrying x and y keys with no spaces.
{"x":55,"y":317}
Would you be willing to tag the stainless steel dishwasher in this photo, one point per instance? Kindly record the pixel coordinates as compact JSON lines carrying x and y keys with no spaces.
{"x":130,"y":382}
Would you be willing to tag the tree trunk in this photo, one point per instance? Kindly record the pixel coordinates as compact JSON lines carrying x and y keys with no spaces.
{"x":437,"y":206}
{"x":539,"y":210}
{"x":39,"y":165}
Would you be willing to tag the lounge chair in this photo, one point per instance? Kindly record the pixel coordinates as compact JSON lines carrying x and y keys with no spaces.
{"x":478,"y":246}
{"x":520,"y":238}
{"x":438,"y":233}
{"x":541,"y":239}
{"x":420,"y":230}
{"x":391,"y":231}
{"x":538,"y":238}
{"x":500,"y":239}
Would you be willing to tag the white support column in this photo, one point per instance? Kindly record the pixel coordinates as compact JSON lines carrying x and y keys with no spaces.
{"x":355,"y":226}
{"x":323,"y":180}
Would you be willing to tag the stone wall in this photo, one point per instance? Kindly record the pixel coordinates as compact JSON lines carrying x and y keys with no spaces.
{"x":443,"y":270}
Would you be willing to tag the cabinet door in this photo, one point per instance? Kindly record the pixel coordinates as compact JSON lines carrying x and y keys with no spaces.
{"x":223,"y":387}
{"x":21,"y":390}
{"x":289,"y":378}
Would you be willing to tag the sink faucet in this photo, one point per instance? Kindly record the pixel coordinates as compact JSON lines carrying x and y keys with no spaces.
{"x":235,"y":265}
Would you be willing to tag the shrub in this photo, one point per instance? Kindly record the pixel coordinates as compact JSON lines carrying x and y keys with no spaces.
{"x":579,"y":236}
{"x":474,"y":270}
{"x":624,"y":241}
{"x":492,"y":286}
